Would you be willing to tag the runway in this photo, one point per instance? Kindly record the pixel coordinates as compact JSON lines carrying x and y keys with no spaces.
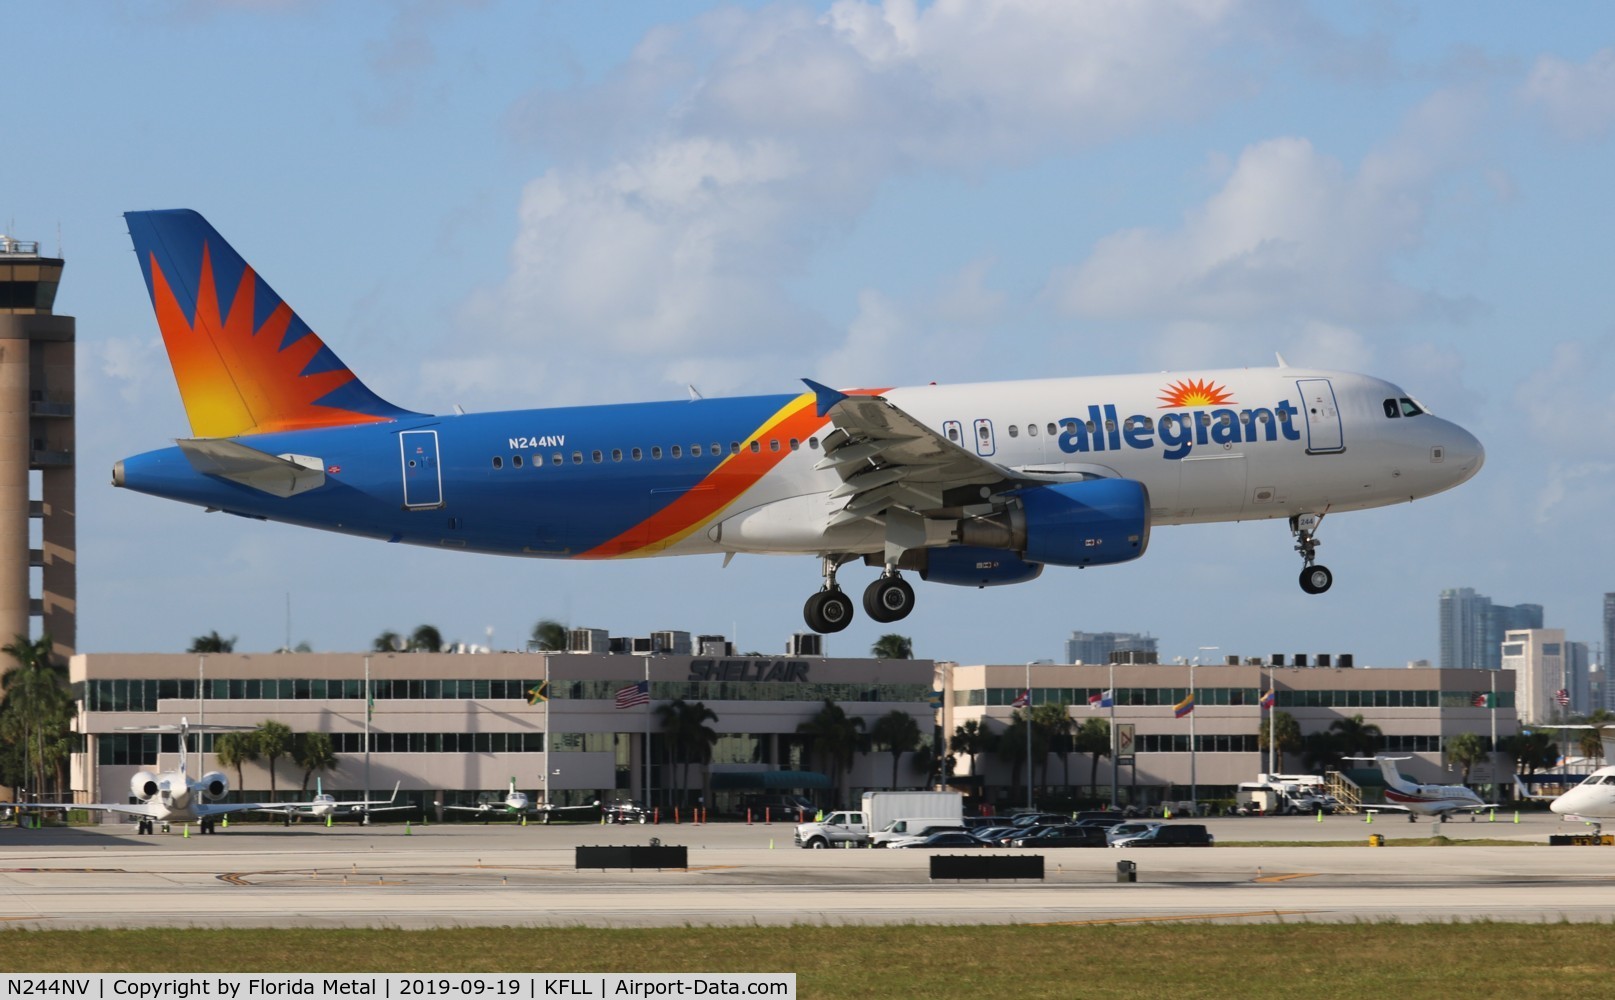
{"x":460,"y":875}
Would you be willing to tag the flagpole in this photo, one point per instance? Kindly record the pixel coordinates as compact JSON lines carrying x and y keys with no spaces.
{"x":544,"y":690}
{"x":1028,"y":723}
{"x":1115,"y":748}
{"x":645,"y":796}
{"x":1194,"y":782}
{"x":1272,"y":710}
{"x":1491,"y":711}
{"x":367,"y":709}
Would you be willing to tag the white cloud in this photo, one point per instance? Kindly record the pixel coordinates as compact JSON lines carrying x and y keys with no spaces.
{"x":1578,"y":100}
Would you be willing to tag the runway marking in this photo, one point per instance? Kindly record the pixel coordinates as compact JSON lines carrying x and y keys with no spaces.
{"x":1171,"y":917}
{"x":58,"y":870}
{"x":1284,"y":878}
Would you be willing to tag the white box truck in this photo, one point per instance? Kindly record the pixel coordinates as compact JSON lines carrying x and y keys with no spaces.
{"x":853,"y":827}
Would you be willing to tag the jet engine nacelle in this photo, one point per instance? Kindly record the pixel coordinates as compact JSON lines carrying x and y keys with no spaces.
{"x":143,"y":785}
{"x":969,"y":566}
{"x":1095,"y":522}
{"x":215,"y":785}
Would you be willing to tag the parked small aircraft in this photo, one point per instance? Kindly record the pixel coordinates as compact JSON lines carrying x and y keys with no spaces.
{"x":324,"y":805}
{"x":1440,"y":801}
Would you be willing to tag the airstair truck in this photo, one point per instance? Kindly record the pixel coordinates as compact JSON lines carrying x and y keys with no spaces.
{"x":853,"y":828}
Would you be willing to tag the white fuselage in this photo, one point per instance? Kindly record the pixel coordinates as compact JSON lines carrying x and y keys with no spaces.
{"x":1594,"y":798}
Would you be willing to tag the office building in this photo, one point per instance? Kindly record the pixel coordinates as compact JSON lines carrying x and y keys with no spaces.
{"x":1472,"y":628}
{"x":1099,"y":647}
{"x":1542,"y":681}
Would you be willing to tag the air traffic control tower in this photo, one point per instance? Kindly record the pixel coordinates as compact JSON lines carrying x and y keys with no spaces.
{"x":37,"y":478}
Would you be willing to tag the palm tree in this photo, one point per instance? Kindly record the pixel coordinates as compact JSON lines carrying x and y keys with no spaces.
{"x":835,"y":737}
{"x":1094,"y":739}
{"x":689,"y":738}
{"x":549,"y":636}
{"x":1531,"y":751}
{"x":898,"y":733}
{"x":1054,"y":722}
{"x":1283,"y":732}
{"x":426,"y":639}
{"x":1356,"y":738}
{"x":1011,"y":747}
{"x":274,"y":741}
{"x":235,"y":749}
{"x":1466,"y":750}
{"x":387,"y":642}
{"x":1591,"y":744}
{"x":970,"y":739}
{"x":892,"y":646}
{"x":312,"y":752}
{"x":36,"y":702}
{"x":213,"y":642}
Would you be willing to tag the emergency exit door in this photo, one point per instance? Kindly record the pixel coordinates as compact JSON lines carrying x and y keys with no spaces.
{"x":423,"y":476}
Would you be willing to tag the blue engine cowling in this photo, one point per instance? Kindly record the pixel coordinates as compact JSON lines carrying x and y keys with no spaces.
{"x":969,"y":566}
{"x":1096,"y":522}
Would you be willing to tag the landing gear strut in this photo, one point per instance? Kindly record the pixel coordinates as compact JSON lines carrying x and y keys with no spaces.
{"x":829,"y":610}
{"x":1315,"y":578}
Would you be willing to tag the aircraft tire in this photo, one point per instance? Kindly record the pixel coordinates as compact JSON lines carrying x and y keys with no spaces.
{"x":828,"y":611}
{"x":1316,"y":579}
{"x":889,"y":599}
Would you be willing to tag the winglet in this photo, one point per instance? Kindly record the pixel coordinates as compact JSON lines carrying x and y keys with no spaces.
{"x":1281,"y":361}
{"x":827,"y":397}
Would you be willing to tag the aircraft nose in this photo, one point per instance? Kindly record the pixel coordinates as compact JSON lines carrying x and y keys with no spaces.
{"x":1461,"y":451}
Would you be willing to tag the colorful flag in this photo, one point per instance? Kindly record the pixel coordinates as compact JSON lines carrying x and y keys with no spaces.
{"x":634,"y":694}
{"x":538,"y":692}
{"x":1184,"y":707}
{"x":1022,"y":700}
{"x":1485,"y":700}
{"x":1563,"y":697}
{"x":1270,"y":699}
{"x":1104,"y":699}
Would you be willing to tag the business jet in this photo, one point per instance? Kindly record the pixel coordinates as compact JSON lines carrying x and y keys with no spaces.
{"x":973,"y":485}
{"x":1440,"y":801}
{"x":327,"y":806}
{"x":170,"y":797}
{"x":1594,"y":798}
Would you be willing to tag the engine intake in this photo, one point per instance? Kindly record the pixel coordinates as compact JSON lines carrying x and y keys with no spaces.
{"x":143,"y":785}
{"x":215,"y":785}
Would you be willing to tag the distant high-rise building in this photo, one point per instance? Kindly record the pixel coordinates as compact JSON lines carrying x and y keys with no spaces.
{"x":1609,"y":649}
{"x":1579,"y":677}
{"x":1096,"y":647}
{"x":1472,"y":628}
{"x":1541,"y":676}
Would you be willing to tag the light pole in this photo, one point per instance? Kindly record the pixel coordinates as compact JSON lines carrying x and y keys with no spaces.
{"x":1028,"y":724}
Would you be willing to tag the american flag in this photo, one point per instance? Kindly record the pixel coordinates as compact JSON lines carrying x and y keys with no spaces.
{"x":1022,"y":700}
{"x":634,"y":694}
{"x":1563,"y":698}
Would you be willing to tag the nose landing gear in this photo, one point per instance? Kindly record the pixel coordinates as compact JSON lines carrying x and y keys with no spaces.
{"x":1315,"y":578}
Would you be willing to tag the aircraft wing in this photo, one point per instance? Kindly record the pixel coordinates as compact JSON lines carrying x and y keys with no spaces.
{"x":117,"y":807}
{"x":887,"y":458}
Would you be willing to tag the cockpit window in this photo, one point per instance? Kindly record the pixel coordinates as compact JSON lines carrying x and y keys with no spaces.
{"x":1393,"y":409}
{"x":1410,"y":408}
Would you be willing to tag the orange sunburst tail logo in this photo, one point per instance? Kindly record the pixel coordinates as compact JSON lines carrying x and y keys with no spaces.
{"x":1195,"y":392}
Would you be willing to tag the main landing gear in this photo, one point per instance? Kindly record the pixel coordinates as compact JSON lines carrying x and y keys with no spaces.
{"x":1315,"y":578}
{"x":888,"y":599}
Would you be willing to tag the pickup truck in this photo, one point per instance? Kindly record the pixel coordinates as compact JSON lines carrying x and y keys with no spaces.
{"x":835,"y":830}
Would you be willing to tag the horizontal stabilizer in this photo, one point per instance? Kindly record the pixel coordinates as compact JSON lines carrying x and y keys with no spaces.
{"x":278,"y":475}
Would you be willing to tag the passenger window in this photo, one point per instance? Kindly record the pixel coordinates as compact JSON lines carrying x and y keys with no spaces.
{"x":596,"y":456}
{"x":1053,"y":430}
{"x":538,"y":461}
{"x":676,"y":452}
{"x":1014,"y":430}
{"x":656,"y":451}
{"x":515,"y":461}
{"x":1391,"y":409}
{"x":695,"y":451}
{"x":637,"y":454}
{"x":716,"y":450}
{"x":616,"y":454}
{"x":773,"y":444}
{"x":556,"y":459}
{"x":756,"y":446}
{"x":577,"y":458}
{"x":1031,"y":430}
{"x":795,"y":444}
{"x":734,"y":447}
{"x":1070,"y":426}
{"x":953,"y":434}
{"x":813,"y":444}
{"x":498,"y":462}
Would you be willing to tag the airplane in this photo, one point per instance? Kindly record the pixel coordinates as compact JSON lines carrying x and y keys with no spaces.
{"x":173,"y":796}
{"x":1440,"y":801}
{"x":1594,"y":798}
{"x":513,"y":803}
{"x":973,"y":485}
{"x":324,"y":806}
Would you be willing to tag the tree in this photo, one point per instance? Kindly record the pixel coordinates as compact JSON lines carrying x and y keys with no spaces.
{"x":426,"y":639}
{"x":37,"y":708}
{"x":689,"y":738}
{"x":1531,"y":751}
{"x":1093,"y":738}
{"x":1054,"y":723}
{"x":1283,"y":732}
{"x":970,"y":739}
{"x":213,"y":642}
{"x":835,"y":737}
{"x":234,"y":750}
{"x":1590,"y":744}
{"x":892,"y":646}
{"x":387,"y":642}
{"x":1466,"y":750}
{"x":899,"y":734}
{"x":549,"y":636}
{"x":1011,"y":748}
{"x":1356,"y":738}
{"x":274,"y":741}
{"x":312,"y":752}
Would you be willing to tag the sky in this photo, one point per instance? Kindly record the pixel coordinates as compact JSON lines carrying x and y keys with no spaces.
{"x":517,"y":204}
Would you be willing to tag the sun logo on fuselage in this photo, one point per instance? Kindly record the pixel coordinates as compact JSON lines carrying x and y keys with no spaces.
{"x":1195,"y":392}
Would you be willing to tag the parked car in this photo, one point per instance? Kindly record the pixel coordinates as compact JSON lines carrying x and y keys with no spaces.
{"x":946,"y":838}
{"x":1131,"y":828}
{"x":1170,"y":835}
{"x":1038,"y":819}
{"x":1101,"y":822}
{"x":1064,"y":836}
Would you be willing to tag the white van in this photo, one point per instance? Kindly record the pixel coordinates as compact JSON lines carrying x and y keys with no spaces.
{"x":899,"y":829}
